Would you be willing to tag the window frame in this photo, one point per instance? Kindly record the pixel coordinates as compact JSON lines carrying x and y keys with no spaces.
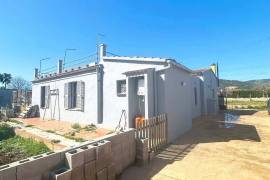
{"x":119,"y":84}
{"x":72,"y":95}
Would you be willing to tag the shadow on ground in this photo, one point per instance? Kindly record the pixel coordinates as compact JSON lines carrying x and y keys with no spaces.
{"x":207,"y":130}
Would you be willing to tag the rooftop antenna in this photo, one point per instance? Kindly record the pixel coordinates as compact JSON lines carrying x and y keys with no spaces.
{"x":99,"y":36}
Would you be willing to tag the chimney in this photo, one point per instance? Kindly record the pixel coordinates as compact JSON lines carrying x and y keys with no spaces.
{"x":102,"y":51}
{"x":60,"y":66}
{"x":36,"y":73}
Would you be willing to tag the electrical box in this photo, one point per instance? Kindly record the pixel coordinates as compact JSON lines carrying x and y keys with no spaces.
{"x":140,"y":90}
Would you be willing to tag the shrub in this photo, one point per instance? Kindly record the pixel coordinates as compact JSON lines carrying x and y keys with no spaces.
{"x":90,"y":127}
{"x":6,"y":131}
{"x":76,"y":126}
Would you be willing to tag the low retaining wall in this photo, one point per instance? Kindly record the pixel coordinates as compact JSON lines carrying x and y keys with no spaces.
{"x":104,"y":158}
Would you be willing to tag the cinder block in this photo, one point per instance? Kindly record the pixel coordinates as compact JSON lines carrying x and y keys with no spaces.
{"x":77,"y":173}
{"x":103,"y":162}
{"x":117,"y":158}
{"x":142,"y":143}
{"x":89,"y":153}
{"x":90,"y":170}
{"x":61,"y":174}
{"x":74,"y":158}
{"x":151,"y":155}
{"x":103,"y":154}
{"x":111,"y":172}
{"x":116,"y":139}
{"x":7,"y":172}
{"x":102,"y":174}
{"x":103,"y":149}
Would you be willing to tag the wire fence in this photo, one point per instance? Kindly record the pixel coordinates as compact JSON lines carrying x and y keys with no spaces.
{"x":69,"y":64}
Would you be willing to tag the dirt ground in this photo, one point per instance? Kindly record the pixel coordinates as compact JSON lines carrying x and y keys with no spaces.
{"x":63,"y":128}
{"x":215,"y":149}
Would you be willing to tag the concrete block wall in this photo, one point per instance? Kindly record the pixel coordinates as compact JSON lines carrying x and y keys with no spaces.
{"x":104,"y":158}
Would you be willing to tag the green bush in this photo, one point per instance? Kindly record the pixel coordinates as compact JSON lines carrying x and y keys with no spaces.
{"x":90,"y":127}
{"x":76,"y":126}
{"x":6,"y":131}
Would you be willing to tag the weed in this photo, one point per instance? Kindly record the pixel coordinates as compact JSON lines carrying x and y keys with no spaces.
{"x":90,"y":127}
{"x":18,"y":148}
{"x":6,"y":131}
{"x":76,"y":126}
{"x":29,"y":125}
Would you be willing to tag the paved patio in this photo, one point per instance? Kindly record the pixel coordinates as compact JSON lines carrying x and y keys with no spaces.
{"x":214,"y":149}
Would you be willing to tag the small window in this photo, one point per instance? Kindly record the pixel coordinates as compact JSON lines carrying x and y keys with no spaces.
{"x":121,"y":88}
{"x":44,"y":96}
{"x":195,"y":96}
{"x":72,"y":94}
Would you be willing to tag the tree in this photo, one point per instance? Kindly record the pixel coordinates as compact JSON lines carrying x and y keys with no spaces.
{"x":20,"y":84}
{"x":5,"y":78}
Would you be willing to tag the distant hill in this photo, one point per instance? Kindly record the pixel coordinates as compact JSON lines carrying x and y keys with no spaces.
{"x":246,"y":85}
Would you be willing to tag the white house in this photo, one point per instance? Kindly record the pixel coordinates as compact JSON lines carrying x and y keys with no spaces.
{"x":100,"y":93}
{"x":205,"y":84}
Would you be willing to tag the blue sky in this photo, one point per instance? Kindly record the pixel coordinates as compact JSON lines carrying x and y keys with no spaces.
{"x":195,"y":33}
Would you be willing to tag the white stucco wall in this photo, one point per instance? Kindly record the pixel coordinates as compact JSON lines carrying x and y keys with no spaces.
{"x":178,"y":85}
{"x":196,"y":108}
{"x":89,"y":115}
{"x":113,"y":104}
{"x":210,"y":92}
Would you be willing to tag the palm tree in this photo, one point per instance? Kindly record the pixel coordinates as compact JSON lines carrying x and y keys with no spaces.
{"x":1,"y":78}
{"x":6,"y":79}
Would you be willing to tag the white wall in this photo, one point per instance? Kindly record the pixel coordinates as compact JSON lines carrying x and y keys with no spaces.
{"x":112,"y":104}
{"x":89,"y":115}
{"x":196,"y":108}
{"x":210,"y":92}
{"x":178,"y":85}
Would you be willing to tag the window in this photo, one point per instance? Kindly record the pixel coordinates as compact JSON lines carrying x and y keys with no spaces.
{"x":121,"y":88}
{"x":195,"y":96}
{"x":44,"y":96}
{"x":74,"y":95}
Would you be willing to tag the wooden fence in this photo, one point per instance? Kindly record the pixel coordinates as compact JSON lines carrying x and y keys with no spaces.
{"x":155,"y":129}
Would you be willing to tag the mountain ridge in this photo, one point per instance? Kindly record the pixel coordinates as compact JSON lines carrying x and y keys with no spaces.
{"x":257,"y":84}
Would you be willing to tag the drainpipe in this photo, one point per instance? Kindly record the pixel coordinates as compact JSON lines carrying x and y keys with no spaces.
{"x":99,"y":70}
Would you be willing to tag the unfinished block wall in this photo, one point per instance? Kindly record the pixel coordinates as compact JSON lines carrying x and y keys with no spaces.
{"x":99,"y":160}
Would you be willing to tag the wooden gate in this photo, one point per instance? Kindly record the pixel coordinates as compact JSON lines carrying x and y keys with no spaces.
{"x":155,"y":129}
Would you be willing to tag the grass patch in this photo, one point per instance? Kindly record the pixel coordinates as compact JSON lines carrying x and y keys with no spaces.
{"x":6,"y":131}
{"x":248,"y":104}
{"x":50,"y":131}
{"x":18,"y":148}
{"x":29,"y":125}
{"x":90,"y":127}
{"x":77,"y":139}
{"x":76,"y":126}
{"x":15,"y":121}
